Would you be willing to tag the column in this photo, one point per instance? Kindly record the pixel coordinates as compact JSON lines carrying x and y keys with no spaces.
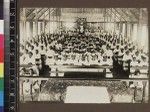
{"x":31,"y":28}
{"x":123,"y":29}
{"x":129,"y":31}
{"x":134,"y":32}
{"x":39,"y":28}
{"x":28,"y":30}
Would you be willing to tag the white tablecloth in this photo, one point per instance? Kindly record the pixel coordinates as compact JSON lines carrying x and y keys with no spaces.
{"x":87,"y":94}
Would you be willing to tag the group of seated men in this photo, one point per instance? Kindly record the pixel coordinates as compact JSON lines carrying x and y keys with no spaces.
{"x":91,"y":48}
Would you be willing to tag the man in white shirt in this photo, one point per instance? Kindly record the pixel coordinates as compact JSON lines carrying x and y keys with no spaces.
{"x":29,"y":59}
{"x":109,"y":53}
{"x":144,"y":62}
{"x":36,"y":89}
{"x":27,"y":90}
{"x":126,"y":63}
{"x":127,"y":56}
{"x":134,"y":62}
{"x":42,"y":50}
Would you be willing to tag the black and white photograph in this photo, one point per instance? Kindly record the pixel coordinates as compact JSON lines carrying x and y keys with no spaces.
{"x":83,"y":91}
{"x":84,"y":55}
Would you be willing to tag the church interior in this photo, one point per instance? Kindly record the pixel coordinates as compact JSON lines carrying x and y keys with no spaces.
{"x":65,"y":48}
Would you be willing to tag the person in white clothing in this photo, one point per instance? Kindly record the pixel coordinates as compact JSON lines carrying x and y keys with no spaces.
{"x":27,"y":90}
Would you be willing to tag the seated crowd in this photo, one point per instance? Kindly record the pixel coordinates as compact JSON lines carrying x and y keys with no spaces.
{"x":90,"y":48}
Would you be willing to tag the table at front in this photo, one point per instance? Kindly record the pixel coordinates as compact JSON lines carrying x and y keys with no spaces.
{"x":87,"y":94}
